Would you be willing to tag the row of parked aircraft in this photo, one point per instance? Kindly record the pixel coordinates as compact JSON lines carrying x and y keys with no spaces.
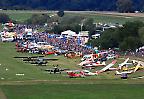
{"x":92,"y":60}
{"x":83,"y":73}
{"x":122,"y":69}
{"x":38,"y":60}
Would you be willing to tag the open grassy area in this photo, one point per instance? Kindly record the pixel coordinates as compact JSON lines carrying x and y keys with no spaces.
{"x":106,"y":18}
{"x":32,"y":72}
{"x":22,"y":15}
{"x":37,"y":84}
{"x":74,"y":91}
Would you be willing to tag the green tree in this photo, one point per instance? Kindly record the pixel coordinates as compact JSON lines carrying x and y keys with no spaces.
{"x":124,"y":5}
{"x":130,"y":43}
{"x":109,"y":39}
{"x":60,"y":13}
{"x":141,"y":35}
{"x":38,"y":19}
{"x":130,"y":36}
{"x":89,"y":26}
{"x":4,"y":18}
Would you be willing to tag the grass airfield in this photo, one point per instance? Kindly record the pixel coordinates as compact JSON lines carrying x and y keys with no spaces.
{"x":37,"y":84}
{"x":11,"y":66}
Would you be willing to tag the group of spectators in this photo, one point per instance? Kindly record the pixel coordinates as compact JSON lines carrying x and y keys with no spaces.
{"x":137,"y":53}
{"x":63,"y":43}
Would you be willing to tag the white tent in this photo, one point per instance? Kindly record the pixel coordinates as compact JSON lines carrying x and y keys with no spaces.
{"x":96,"y":36}
{"x":68,"y":33}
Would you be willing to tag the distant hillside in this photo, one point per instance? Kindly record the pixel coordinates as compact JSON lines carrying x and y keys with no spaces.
{"x":100,"y":5}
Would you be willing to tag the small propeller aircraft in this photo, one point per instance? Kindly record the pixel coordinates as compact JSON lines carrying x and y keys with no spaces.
{"x":42,"y":61}
{"x":38,"y":60}
{"x":127,"y":72}
{"x":75,"y":74}
{"x":88,"y":73}
{"x":124,"y":63}
{"x":28,"y":58}
{"x":139,"y":66}
{"x":107,"y":67}
{"x":72,"y":54}
{"x":56,"y":69}
{"x":94,"y":65}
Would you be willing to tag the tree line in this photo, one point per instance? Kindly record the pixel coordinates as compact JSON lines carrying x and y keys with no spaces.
{"x":128,"y":37}
{"x":98,"y":5}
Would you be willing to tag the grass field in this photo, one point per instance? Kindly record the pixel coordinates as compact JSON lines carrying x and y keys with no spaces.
{"x":74,"y":91}
{"x":99,"y":17}
{"x":107,"y":18}
{"x":32,"y":72}
{"x":37,"y":84}
{"x":22,"y":15}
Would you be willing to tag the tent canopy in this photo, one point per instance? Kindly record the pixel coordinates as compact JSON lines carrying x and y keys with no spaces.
{"x":68,"y":32}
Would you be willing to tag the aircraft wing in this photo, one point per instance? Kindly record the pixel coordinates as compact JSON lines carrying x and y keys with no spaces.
{"x":27,"y":56}
{"x":21,"y":57}
{"x":108,"y":66}
{"x":137,"y":67}
{"x":52,"y":59}
{"x":28,"y":60}
{"x":39,"y":63}
{"x":49,"y":70}
{"x":127,"y":72}
{"x":124,"y":63}
{"x":141,"y":63}
{"x":64,"y":69}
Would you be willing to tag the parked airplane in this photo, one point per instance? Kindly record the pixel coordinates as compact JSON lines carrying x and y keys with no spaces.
{"x":107,"y":67}
{"x":124,"y":63}
{"x":93,"y":65}
{"x":38,"y":60}
{"x":55,"y":70}
{"x":7,"y":39}
{"x":75,"y":74}
{"x":28,"y":58}
{"x":140,"y":65}
{"x":88,"y":73}
{"x":126,"y":72}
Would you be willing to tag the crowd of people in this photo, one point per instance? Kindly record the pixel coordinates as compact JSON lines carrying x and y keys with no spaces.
{"x":59,"y":42}
{"x":63,"y":43}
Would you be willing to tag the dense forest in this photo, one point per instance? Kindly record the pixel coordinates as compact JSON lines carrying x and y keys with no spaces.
{"x":99,"y":5}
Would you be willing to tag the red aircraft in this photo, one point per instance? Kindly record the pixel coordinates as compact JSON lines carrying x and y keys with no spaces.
{"x":75,"y":74}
